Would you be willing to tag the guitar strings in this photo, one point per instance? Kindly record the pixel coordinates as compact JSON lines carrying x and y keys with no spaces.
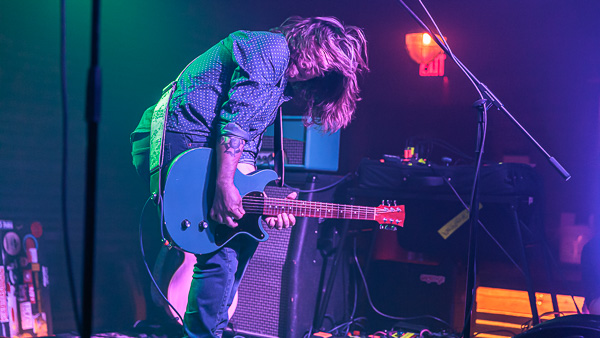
{"x":311,"y":207}
{"x":274,"y":206}
{"x":305,"y":204}
{"x":302,"y":211}
{"x":289,"y":201}
{"x":259,"y":201}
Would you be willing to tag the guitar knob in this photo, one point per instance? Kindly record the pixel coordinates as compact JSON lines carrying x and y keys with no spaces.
{"x":185,"y":224}
{"x":202,"y":225}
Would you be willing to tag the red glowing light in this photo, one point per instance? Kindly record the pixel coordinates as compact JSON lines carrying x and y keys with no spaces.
{"x":421,"y":48}
{"x":433,"y":68}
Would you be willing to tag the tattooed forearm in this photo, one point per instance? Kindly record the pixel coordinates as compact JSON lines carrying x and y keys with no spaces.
{"x":233,"y":145}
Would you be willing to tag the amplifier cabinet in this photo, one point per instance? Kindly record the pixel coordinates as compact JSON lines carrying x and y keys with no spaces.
{"x":305,"y":148}
{"x":279,"y":291}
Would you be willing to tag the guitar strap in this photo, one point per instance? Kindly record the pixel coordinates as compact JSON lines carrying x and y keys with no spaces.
{"x":157,"y":135}
{"x":278,"y":148}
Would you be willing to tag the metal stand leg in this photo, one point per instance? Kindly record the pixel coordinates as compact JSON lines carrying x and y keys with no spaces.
{"x":525,"y":266}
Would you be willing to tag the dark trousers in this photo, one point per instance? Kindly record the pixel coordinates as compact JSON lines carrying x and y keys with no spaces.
{"x":215,"y":282}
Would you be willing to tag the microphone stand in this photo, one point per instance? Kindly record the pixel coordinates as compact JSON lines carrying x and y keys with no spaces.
{"x":482,"y":107}
{"x":488,"y":99}
{"x":93,"y":119}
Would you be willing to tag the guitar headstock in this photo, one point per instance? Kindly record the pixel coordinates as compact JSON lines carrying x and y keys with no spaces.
{"x":389,"y":215}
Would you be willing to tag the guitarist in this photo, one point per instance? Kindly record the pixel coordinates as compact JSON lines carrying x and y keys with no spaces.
{"x":225,"y":100}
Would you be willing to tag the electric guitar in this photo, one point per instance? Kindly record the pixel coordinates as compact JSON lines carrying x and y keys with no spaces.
{"x":188,"y":194}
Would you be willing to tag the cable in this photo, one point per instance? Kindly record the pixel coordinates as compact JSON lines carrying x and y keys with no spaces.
{"x":423,"y":332}
{"x":349,"y":323}
{"x":148,"y":268}
{"x":528,"y":324}
{"x":346,"y":325}
{"x":354,"y":306}
{"x":65,"y":163}
{"x":362,"y":275}
{"x":341,"y":180}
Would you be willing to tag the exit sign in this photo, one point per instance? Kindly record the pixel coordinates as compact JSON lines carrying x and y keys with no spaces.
{"x":433,"y":68}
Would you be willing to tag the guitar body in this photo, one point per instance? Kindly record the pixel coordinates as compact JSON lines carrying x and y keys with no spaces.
{"x":187,"y":200}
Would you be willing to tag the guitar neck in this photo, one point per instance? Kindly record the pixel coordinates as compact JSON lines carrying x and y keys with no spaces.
{"x":276,"y":206}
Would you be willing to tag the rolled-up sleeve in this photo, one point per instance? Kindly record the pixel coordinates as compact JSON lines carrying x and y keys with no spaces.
{"x":261,"y":61}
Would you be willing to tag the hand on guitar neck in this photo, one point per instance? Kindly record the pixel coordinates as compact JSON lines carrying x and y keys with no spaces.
{"x":283,"y":220}
{"x":229,"y":195}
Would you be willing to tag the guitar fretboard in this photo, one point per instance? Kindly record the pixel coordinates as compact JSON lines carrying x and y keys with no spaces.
{"x":276,"y":206}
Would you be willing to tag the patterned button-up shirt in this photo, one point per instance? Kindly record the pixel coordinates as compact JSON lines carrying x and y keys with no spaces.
{"x":233,"y":89}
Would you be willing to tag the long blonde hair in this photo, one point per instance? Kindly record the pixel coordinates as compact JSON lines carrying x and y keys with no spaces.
{"x":335,"y":53}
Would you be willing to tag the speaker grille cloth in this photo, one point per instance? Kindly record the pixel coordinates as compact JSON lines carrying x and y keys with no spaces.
{"x":294,"y":149}
{"x":259,"y":294}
